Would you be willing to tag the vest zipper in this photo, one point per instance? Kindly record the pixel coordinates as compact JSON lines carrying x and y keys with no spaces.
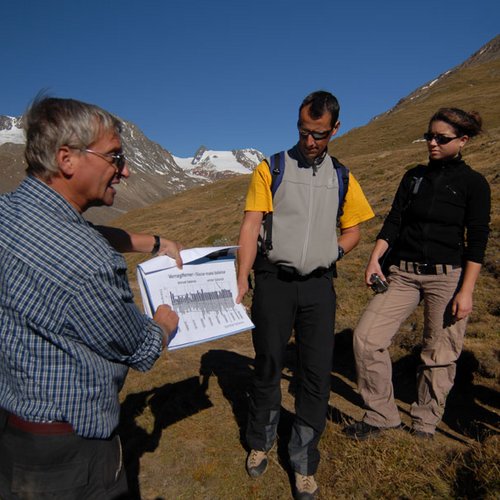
{"x":308,"y":230}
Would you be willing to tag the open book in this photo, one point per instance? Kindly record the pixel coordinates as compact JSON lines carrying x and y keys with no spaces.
{"x":203,"y":294}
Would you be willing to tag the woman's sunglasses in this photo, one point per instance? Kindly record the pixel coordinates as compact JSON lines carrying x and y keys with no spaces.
{"x":439,"y":138}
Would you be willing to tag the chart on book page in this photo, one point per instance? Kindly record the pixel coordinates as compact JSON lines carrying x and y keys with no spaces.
{"x":202,"y":308}
{"x":203,"y":297}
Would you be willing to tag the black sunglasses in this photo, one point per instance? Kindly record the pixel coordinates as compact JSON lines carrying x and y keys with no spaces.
{"x":317,"y":136}
{"x":439,"y":138}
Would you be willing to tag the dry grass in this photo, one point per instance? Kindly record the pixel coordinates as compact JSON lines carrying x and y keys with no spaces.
{"x":183,"y":422}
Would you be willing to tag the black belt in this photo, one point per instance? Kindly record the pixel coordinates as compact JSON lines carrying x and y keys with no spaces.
{"x":419,"y":268}
{"x":291,"y":272}
{"x":262,"y":263}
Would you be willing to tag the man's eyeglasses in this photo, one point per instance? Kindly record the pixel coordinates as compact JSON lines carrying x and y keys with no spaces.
{"x":439,"y":138}
{"x":116,"y":159}
{"x":317,"y":136}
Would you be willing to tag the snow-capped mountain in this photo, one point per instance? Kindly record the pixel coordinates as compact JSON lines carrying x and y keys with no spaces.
{"x":11,"y":130}
{"x":214,"y":165}
{"x":156,"y":174}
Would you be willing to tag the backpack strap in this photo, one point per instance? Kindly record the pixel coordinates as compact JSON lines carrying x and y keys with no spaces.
{"x":343,"y":181}
{"x":277,"y":168}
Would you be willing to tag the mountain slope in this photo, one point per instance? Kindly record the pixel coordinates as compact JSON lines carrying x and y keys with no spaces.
{"x":156,"y":174}
{"x":380,"y":152}
{"x":187,"y":416}
{"x":378,"y":155}
{"x":211,"y":379}
{"x":473,"y":85}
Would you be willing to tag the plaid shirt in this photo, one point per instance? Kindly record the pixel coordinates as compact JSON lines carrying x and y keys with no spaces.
{"x":69,"y":328}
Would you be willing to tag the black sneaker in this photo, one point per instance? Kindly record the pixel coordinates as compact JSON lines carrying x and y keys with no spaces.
{"x":361,"y":431}
{"x":422,"y":434}
{"x":256,"y":463}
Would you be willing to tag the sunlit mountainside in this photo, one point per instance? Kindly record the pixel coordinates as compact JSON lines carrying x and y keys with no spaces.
{"x":203,"y":387}
{"x":184,"y":422}
{"x":156,"y":173}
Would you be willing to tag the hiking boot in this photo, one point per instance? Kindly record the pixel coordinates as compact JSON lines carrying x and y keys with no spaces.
{"x":361,"y":431}
{"x":256,"y":463}
{"x":305,"y":487}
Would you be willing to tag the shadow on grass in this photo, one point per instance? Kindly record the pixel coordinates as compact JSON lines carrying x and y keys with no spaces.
{"x":343,"y":364}
{"x":234,"y":374}
{"x":168,"y":404}
{"x":463,"y":413}
{"x":171,"y":403}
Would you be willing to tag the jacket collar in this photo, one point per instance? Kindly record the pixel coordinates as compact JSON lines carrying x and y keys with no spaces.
{"x":452,"y":163}
{"x":296,"y":154}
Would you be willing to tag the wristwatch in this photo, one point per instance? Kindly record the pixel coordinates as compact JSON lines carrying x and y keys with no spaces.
{"x":156,"y":246}
{"x":341,"y":253}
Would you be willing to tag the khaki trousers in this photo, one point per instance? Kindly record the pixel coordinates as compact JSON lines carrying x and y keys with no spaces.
{"x":441,"y":346}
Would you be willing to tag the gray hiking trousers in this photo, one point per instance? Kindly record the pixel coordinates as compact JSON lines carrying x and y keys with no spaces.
{"x":441,"y":346}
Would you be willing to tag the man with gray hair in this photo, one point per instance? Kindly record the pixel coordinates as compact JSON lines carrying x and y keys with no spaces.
{"x":69,"y":328}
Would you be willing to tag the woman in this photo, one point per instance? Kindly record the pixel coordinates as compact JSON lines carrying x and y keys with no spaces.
{"x":436,"y":231}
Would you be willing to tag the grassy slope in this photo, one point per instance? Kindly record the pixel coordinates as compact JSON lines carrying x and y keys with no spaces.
{"x":183,"y":421}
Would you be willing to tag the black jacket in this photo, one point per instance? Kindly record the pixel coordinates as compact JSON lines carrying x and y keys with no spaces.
{"x":440,"y":215}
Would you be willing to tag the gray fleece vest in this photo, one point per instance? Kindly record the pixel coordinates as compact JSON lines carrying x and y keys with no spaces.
{"x":305,"y":217}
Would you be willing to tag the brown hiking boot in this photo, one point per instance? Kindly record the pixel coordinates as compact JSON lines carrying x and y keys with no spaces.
{"x":305,"y":487}
{"x":256,"y":463}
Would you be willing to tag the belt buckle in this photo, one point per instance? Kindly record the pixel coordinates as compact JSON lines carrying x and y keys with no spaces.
{"x":420,"y":268}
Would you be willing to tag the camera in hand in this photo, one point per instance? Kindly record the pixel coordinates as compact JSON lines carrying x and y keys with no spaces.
{"x":377,"y":284}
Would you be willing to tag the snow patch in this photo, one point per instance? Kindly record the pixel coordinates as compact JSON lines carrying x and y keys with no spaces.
{"x":13,"y":133}
{"x":219,"y":161}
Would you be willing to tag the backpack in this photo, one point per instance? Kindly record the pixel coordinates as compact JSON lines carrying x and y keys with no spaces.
{"x":277,"y":168}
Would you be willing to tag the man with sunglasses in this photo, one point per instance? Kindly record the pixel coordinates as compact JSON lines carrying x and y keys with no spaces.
{"x":294,"y":288}
{"x":69,"y":328}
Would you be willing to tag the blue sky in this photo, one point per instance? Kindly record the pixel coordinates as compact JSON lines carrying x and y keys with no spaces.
{"x":229,"y":73}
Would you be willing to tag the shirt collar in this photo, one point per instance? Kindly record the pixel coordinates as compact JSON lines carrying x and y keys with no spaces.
{"x":40,"y":193}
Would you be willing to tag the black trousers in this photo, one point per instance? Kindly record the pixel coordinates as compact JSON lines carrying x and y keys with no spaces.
{"x":59,"y":467}
{"x":283,"y":302}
